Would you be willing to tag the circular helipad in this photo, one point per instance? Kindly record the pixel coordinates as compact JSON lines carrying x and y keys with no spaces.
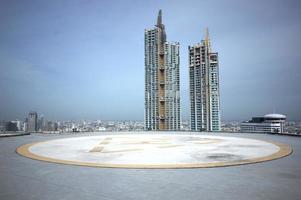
{"x":155,"y":151}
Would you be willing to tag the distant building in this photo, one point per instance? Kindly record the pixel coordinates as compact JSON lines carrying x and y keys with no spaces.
{"x":162,"y":80}
{"x":32,"y":122}
{"x":24,"y":126}
{"x":204,"y":87}
{"x":18,"y":124}
{"x":270,"y":123}
{"x":41,"y":123}
{"x":2,"y":125}
{"x":11,"y":126}
{"x":51,"y":126}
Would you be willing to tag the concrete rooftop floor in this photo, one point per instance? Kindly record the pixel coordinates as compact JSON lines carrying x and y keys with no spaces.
{"x":24,"y":178}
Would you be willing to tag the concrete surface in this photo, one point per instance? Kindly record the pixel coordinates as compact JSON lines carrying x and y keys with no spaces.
{"x":23,"y":178}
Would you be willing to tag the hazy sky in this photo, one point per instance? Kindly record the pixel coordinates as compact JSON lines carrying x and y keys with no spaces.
{"x":84,"y":59}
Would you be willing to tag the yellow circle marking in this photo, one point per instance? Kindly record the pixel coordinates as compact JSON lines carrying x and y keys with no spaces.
{"x":284,"y":150}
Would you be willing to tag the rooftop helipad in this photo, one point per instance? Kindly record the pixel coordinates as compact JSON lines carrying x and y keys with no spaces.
{"x":155,"y":151}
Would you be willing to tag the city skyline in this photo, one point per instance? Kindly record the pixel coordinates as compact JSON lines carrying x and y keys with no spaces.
{"x":61,"y":58}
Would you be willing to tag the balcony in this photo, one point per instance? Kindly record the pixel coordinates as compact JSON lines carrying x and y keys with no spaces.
{"x":162,"y":117}
{"x":161,"y":68}
{"x":162,"y":99}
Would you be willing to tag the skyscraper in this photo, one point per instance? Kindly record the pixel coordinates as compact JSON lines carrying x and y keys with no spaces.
{"x":32,"y":125}
{"x":204,"y":87}
{"x":162,"y":80}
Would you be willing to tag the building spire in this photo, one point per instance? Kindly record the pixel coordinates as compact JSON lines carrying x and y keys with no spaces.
{"x":161,"y":26}
{"x":207,"y":39}
{"x":207,"y":34}
{"x":159,"y":19}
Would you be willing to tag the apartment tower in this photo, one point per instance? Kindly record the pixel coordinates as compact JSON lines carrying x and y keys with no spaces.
{"x":162,"y":80}
{"x":32,"y":125}
{"x":204,"y":87}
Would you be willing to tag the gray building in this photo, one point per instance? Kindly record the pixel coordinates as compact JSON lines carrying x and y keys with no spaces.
{"x":41,"y":123}
{"x":162,"y":80}
{"x":32,"y":122}
{"x":11,"y":126}
{"x":2,"y":125}
{"x":204,"y":87}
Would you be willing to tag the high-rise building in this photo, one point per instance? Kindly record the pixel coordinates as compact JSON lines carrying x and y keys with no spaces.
{"x":162,"y":80}
{"x":32,"y":123}
{"x":41,"y":123}
{"x":204,"y":87}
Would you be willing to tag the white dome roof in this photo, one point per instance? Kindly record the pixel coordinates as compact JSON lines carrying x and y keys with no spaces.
{"x":274,"y":115}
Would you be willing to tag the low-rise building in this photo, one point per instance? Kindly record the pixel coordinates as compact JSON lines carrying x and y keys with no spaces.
{"x":270,"y":123}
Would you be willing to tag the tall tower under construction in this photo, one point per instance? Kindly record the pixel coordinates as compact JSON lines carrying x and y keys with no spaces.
{"x":204,"y":87}
{"x":162,"y":80}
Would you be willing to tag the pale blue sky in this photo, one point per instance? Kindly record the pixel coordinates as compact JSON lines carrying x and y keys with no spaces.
{"x":84,"y":59}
